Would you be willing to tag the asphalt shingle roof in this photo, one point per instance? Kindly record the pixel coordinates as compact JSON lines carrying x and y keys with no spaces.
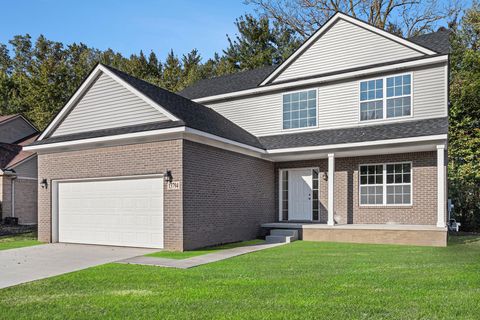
{"x":436,"y":41}
{"x":191,"y":114}
{"x":357,"y":134}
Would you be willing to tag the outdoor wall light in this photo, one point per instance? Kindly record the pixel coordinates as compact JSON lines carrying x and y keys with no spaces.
{"x":44,"y":184}
{"x":168,"y":176}
{"x":325,"y":176}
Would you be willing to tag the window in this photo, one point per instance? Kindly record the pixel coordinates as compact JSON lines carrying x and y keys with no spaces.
{"x":315,"y":199}
{"x":371,"y":184}
{"x":300,"y":109}
{"x":371,"y":97}
{"x":284,"y":195}
{"x":388,"y":97}
{"x":399,"y":183}
{"x":399,"y":99}
{"x":386,"y":184}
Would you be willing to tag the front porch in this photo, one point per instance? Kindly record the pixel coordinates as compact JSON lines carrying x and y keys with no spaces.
{"x":422,"y":235}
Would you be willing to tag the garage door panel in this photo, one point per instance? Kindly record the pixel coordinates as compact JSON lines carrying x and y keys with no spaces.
{"x":124,"y":212}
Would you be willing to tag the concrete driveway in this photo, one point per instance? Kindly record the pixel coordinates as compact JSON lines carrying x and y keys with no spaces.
{"x":48,"y":260}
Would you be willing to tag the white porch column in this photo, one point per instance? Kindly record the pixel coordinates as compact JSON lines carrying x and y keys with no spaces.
{"x":331,"y":184}
{"x":441,"y":186}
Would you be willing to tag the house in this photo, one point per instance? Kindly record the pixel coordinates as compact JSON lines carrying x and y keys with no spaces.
{"x":344,"y":141}
{"x":18,"y":169}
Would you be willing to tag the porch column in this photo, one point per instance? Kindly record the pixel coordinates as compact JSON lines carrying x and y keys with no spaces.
{"x":441,"y":186}
{"x":331,"y":184}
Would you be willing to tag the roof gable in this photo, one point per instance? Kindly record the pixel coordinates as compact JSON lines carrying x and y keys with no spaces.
{"x":345,"y":43}
{"x":105,"y":101}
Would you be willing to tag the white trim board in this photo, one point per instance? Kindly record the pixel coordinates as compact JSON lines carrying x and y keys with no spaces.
{"x":325,"y":28}
{"x":222,"y":143}
{"x":394,"y":67}
{"x":86,"y":85}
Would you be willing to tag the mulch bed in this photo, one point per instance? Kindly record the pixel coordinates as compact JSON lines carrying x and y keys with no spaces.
{"x":8,"y":230}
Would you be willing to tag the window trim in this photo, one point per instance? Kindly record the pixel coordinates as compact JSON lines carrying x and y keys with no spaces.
{"x":385,"y":184}
{"x":384,"y":79}
{"x":316,"y":126}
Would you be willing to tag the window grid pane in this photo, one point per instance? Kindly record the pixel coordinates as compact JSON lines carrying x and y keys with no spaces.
{"x":371,"y":97}
{"x":399,"y":183}
{"x":315,"y":196}
{"x":300,"y":109}
{"x":399,"y":100}
{"x":284,"y":195}
{"x":371,"y":184}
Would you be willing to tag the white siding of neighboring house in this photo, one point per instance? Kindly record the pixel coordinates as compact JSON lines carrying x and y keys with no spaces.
{"x":107,"y":104}
{"x":345,"y":46}
{"x":338,"y":104}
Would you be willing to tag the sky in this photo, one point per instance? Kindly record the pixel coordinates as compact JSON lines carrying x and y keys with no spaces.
{"x":127,"y":26}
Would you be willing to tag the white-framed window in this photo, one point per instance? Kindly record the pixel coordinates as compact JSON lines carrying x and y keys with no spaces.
{"x":371,"y":99}
{"x":300,"y":109}
{"x":385,"y":184}
{"x":386,"y":97}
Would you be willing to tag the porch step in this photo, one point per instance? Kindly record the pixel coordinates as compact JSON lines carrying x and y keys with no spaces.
{"x":285,"y":232}
{"x":278,"y":239}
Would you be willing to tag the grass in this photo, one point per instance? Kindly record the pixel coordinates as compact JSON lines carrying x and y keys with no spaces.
{"x":199,"y":252}
{"x":18,"y":241}
{"x":302,"y":280}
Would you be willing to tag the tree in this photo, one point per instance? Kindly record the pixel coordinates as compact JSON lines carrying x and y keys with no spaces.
{"x":172,"y":73}
{"x":258,"y":43}
{"x":464,"y":129}
{"x":408,"y":17}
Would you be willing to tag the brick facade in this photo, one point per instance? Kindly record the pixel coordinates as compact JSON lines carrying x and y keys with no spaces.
{"x":136,"y":159}
{"x":227,"y":195}
{"x":423,"y":210}
{"x":25,"y":199}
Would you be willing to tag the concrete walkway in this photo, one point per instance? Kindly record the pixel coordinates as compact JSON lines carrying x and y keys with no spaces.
{"x":43,"y":261}
{"x":199,"y":260}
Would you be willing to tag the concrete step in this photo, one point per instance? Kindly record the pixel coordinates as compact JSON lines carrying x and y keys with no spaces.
{"x":285,"y":232}
{"x":278,"y":239}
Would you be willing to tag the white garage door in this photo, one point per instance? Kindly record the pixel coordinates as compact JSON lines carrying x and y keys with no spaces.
{"x":118,"y":212}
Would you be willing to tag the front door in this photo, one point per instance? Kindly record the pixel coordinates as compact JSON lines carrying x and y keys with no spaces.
{"x":300,"y":194}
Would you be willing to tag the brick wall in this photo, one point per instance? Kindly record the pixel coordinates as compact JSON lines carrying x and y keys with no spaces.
{"x":26,"y":201}
{"x":347,"y":209}
{"x":227,"y":196}
{"x":146,"y":158}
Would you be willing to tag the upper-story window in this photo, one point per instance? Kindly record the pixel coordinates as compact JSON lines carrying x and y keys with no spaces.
{"x":387,"y":97}
{"x":300,"y":109}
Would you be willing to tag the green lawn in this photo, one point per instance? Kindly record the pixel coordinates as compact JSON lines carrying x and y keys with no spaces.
{"x":18,"y":241}
{"x":303,"y":280}
{"x":194,"y":253}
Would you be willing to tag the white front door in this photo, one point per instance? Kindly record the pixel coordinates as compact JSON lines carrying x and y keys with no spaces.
{"x":300,"y":194}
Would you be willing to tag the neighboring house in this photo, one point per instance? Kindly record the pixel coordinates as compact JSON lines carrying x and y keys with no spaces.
{"x":18,"y":169}
{"x":344,"y":141}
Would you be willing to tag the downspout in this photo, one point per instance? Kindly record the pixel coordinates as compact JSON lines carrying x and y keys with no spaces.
{"x":12,"y":175}
{"x":13,"y":195}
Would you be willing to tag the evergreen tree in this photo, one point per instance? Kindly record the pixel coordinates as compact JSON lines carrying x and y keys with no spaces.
{"x":464,"y":129}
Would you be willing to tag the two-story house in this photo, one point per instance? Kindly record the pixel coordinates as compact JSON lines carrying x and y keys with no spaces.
{"x":344,"y":141}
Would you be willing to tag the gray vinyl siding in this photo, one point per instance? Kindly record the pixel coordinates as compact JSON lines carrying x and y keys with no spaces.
{"x":345,"y":46}
{"x":15,"y":130}
{"x":338,"y":104}
{"x":107,"y":104}
{"x":27,"y":168}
